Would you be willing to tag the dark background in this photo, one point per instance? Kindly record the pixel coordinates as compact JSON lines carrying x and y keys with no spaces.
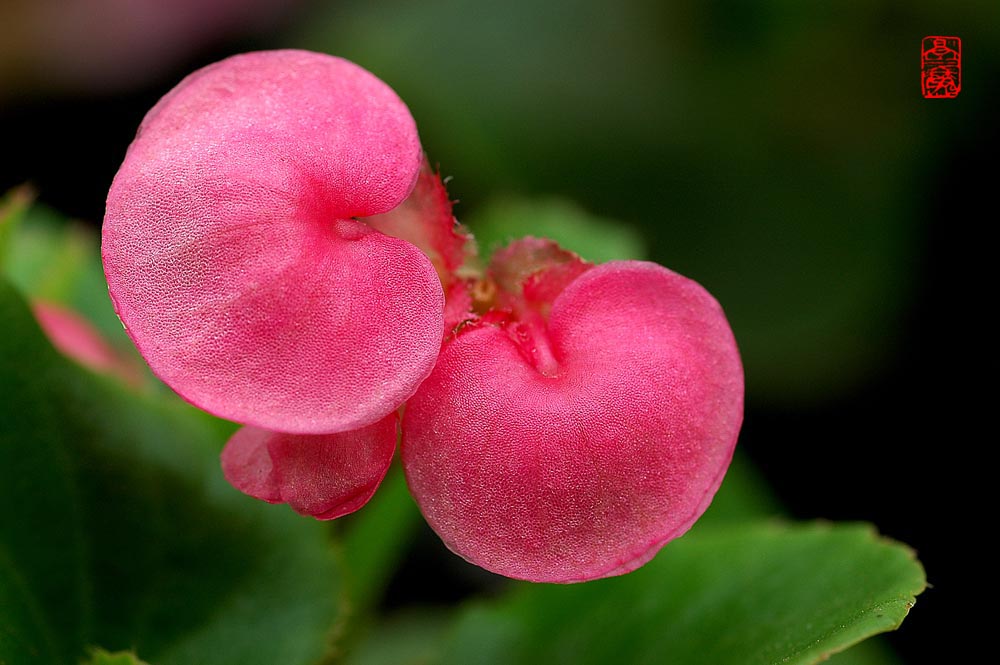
{"x":778,"y":152}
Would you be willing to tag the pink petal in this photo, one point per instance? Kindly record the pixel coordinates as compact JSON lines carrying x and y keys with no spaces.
{"x":335,"y":474}
{"x":587,"y":470}
{"x":425,"y":219}
{"x":325,"y":476}
{"x":246,"y":464}
{"x":233,"y":258}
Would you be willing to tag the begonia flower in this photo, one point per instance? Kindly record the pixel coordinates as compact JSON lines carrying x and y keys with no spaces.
{"x":234,"y":254}
{"x":283,"y":255}
{"x":583,"y":422}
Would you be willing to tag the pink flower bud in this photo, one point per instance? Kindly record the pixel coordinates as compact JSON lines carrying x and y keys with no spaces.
{"x":573,"y":431}
{"x":77,"y":338}
{"x":235,"y":257}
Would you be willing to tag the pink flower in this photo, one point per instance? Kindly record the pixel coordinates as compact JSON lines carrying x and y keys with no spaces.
{"x":283,"y":256}
{"x":581,"y":424}
{"x":235,"y":258}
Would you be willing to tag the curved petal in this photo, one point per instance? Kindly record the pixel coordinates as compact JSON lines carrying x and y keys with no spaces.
{"x":233,"y":258}
{"x":335,"y":474}
{"x":584,"y":467}
{"x":246,"y":464}
{"x":426,"y":220}
{"x":324,"y":476}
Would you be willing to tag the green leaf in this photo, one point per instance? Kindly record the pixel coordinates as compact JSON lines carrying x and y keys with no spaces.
{"x":25,"y":635}
{"x":757,"y":594}
{"x":117,"y":528}
{"x":102,"y":657}
{"x":743,"y":496}
{"x":596,"y":239}
{"x":419,"y":636}
{"x":869,"y":652}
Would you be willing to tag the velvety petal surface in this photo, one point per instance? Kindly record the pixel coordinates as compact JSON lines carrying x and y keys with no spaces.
{"x":247,"y":465}
{"x":324,"y":476}
{"x":584,"y":465}
{"x":234,"y":258}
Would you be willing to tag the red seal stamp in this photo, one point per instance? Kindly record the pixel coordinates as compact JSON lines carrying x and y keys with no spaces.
{"x":941,"y":67}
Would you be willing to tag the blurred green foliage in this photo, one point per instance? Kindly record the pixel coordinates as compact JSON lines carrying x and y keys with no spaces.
{"x":595,"y":239}
{"x":102,"y":657}
{"x":57,"y":261}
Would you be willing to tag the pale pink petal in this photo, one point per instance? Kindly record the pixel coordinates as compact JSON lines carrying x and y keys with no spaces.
{"x":331,"y":475}
{"x":246,"y":464}
{"x":74,"y":336}
{"x":324,"y":475}
{"x":585,"y":469}
{"x":233,"y":257}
